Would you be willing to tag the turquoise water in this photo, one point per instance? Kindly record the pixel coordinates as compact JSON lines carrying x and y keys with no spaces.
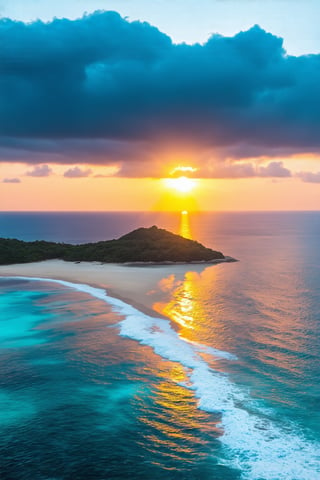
{"x":79,"y":401}
{"x":229,"y":389}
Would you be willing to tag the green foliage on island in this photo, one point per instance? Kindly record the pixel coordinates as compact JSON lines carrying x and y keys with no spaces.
{"x":142,"y":245}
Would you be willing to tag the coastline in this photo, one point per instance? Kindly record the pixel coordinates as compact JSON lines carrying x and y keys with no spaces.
{"x":134,"y":284}
{"x":226,"y":259}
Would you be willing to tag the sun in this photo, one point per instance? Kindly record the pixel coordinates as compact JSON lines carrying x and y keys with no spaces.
{"x":181,"y":184}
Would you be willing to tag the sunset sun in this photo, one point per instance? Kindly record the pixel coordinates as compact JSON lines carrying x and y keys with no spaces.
{"x":181,"y":184}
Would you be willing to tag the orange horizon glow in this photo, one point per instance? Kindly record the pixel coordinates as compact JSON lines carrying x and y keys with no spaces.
{"x":100,"y":192}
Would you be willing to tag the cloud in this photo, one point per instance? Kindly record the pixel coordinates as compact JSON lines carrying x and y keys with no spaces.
{"x":244,"y":170}
{"x":11,"y":180}
{"x":76,"y":172}
{"x":309,"y":177}
{"x":103,"y":88}
{"x":40,"y":171}
{"x":227,"y":170}
{"x":274,"y":169}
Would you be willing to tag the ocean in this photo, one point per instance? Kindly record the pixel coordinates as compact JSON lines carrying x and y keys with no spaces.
{"x":222,"y":385}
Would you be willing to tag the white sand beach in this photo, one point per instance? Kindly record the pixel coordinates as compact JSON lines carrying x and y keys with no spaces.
{"x":137,"y":285}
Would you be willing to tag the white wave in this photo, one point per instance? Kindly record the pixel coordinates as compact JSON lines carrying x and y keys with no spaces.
{"x":211,"y":351}
{"x":255,"y":444}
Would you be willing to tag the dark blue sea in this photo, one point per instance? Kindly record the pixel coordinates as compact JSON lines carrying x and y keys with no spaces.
{"x":223,"y":385}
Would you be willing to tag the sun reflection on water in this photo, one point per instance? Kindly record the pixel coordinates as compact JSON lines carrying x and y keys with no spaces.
{"x":182,"y":307}
{"x":185,"y":230}
{"x":174,"y":429}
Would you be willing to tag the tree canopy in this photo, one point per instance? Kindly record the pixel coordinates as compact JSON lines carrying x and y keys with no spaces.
{"x":142,"y":245}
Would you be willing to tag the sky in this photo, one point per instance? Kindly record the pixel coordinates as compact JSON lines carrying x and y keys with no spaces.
{"x":98,"y":106}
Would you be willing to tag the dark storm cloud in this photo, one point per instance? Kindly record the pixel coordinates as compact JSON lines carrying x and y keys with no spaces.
{"x":72,"y":150}
{"x":102,"y":87}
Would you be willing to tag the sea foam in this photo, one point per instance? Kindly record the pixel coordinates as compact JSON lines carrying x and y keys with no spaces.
{"x":256,"y":443}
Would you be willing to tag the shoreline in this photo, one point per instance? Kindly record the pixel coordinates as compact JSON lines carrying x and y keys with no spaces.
{"x":216,"y":261}
{"x":134,"y":284}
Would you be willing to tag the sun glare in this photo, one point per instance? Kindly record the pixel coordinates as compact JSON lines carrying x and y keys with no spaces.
{"x":181,"y":184}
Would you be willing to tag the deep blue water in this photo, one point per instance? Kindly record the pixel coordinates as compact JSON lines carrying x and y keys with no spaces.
{"x":91,"y":388}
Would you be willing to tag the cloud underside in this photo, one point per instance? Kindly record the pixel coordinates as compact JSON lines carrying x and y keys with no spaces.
{"x":77,"y":172}
{"x":105,"y":91}
{"x":40,"y":171}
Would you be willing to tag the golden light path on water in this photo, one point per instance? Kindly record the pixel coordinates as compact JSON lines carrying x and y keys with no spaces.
{"x":185,"y":230}
{"x":173,"y":427}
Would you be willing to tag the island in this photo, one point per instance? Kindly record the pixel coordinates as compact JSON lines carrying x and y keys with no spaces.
{"x":143,"y":245}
